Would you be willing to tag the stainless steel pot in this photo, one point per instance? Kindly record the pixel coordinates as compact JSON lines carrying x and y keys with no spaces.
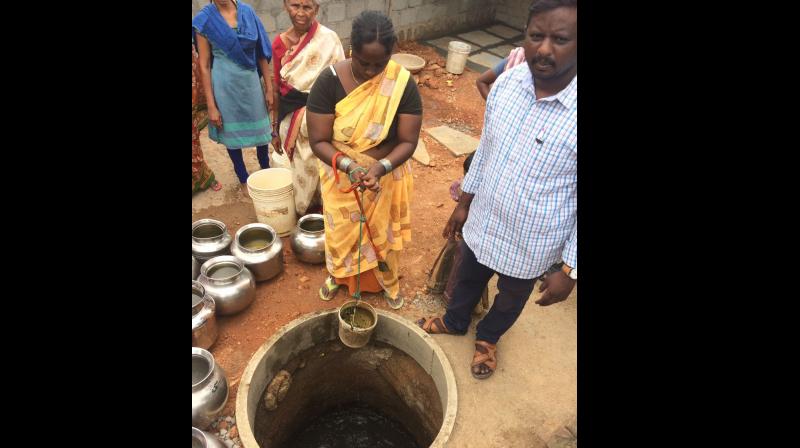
{"x":204,"y":320}
{"x":229,"y":283}
{"x":195,"y":268}
{"x":210,"y":238}
{"x":209,"y":388}
{"x":203,"y":439}
{"x":258,"y":247}
{"x":308,"y":239}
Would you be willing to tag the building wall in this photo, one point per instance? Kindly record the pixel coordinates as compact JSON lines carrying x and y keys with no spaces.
{"x":412,"y":19}
{"x":512,"y":12}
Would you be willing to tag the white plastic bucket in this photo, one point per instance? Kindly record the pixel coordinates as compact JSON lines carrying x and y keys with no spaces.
{"x":272,"y":193}
{"x":457,"y":54}
{"x":279,"y":160}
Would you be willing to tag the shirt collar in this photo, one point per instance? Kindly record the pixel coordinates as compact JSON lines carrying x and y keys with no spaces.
{"x":567,"y":96}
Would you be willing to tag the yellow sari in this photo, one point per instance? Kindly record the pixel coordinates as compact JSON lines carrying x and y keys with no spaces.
{"x":363,"y":119}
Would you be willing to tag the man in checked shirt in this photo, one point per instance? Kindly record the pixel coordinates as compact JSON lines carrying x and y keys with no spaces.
{"x":521,"y":227}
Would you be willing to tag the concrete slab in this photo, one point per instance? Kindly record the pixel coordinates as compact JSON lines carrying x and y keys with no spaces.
{"x":442,"y":42}
{"x":421,"y":153}
{"x":481,"y":38}
{"x":457,"y":142}
{"x":533,"y":394}
{"x":506,"y":32}
{"x":484,"y":59}
{"x":502,"y":50}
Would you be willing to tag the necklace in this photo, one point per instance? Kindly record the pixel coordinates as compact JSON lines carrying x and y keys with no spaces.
{"x":353,"y":73}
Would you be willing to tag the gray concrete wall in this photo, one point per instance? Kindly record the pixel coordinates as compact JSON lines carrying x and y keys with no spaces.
{"x":512,"y":12}
{"x":412,"y":19}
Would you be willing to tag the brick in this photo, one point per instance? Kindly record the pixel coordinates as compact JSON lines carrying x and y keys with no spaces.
{"x":355,"y":7}
{"x":335,"y":12}
{"x":408,"y":16}
{"x":269,"y":23}
{"x":376,"y":5}
{"x":398,"y":5}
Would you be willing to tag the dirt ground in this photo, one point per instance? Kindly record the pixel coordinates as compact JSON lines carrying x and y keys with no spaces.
{"x":294,"y":291}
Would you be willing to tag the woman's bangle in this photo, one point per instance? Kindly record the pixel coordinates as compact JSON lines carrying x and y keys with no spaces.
{"x":387,"y":165}
{"x":344,"y":163}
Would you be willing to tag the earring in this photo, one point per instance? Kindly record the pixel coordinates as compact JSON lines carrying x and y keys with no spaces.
{"x":350,"y":51}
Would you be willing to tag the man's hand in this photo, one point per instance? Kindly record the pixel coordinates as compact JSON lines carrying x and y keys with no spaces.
{"x":459,"y":216}
{"x":456,"y":222}
{"x":555,"y":287}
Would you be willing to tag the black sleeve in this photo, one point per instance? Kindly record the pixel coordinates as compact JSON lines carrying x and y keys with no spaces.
{"x":322,"y":98}
{"x":410,"y":102}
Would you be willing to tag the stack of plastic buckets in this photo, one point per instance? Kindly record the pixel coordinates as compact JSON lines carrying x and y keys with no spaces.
{"x":273,"y":198}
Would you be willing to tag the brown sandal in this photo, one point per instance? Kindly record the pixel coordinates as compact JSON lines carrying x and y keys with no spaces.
{"x":484,"y":356}
{"x":433,"y":325}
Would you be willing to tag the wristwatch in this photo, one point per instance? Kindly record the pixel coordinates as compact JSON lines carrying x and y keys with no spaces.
{"x":571,"y":272}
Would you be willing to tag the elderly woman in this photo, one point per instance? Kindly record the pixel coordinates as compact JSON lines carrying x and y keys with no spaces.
{"x":232,"y":35}
{"x":300,"y":55}
{"x":364,"y":117}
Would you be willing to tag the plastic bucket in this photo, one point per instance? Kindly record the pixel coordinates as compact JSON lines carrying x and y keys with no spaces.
{"x":457,"y":54}
{"x":273,"y":198}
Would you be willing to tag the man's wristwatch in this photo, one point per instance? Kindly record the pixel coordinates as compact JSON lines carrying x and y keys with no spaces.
{"x":571,"y":272}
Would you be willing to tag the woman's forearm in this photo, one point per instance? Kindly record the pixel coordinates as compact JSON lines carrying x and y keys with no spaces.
{"x":402,"y":152}
{"x":324,"y":151}
{"x":205,"y":78}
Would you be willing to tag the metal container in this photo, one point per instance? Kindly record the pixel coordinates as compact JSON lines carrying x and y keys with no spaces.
{"x":356,"y":336}
{"x":210,"y":238}
{"x":229,"y":283}
{"x":209,"y":388}
{"x":308,"y":239}
{"x":258,"y":247}
{"x":204,"y":320}
{"x":203,"y":439}
{"x":195,"y":268}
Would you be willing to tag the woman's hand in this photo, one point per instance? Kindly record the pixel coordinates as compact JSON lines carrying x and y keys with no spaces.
{"x":373,"y":177}
{"x":276,"y":138}
{"x":357,"y":174}
{"x":268,"y":98}
{"x":214,"y":117}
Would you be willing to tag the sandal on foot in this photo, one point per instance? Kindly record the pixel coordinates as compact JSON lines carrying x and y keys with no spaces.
{"x":484,"y":357}
{"x":395,"y":304}
{"x":433,"y":325}
{"x":329,"y":289}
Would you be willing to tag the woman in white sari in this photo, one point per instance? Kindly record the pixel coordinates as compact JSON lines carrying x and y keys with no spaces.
{"x":299,"y":56}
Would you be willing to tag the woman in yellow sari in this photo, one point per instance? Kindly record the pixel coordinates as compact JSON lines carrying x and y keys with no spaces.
{"x":364,"y":114}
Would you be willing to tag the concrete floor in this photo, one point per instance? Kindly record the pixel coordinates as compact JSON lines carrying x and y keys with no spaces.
{"x":534,"y":391}
{"x":488,"y":45}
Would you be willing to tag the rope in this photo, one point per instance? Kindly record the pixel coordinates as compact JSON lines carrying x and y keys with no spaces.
{"x":355,"y":187}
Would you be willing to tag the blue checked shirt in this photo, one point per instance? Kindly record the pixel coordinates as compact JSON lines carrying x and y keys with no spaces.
{"x":524,"y":178}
